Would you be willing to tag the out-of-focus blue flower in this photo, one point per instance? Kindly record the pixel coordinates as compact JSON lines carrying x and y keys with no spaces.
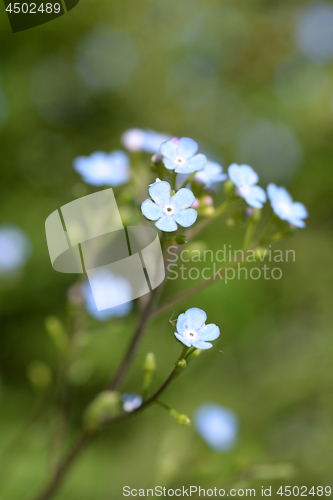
{"x":211,"y":174}
{"x":217,"y":426}
{"x":169,"y":210}
{"x":103,"y":169}
{"x":107,"y":284}
{"x":284,"y":206}
{"x":180,"y":155}
{"x":131,"y":401}
{"x":313,"y":30}
{"x":245,"y":178}
{"x":192,"y":330}
{"x":137,"y":139}
{"x":15,"y":249}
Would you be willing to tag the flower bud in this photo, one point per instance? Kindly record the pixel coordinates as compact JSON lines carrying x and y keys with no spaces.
{"x":229,"y":187}
{"x":183,"y":420}
{"x":150,"y":362}
{"x":39,"y":374}
{"x":157,"y":158}
{"x":181,"y":364}
{"x":55,"y":329}
{"x":181,"y":239}
{"x":208,"y":211}
{"x":104,"y":407}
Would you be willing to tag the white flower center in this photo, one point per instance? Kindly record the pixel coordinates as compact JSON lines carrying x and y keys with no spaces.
{"x":169,"y":209}
{"x":284,"y":207}
{"x":102,"y":167}
{"x":180,"y":161}
{"x":191,"y":335}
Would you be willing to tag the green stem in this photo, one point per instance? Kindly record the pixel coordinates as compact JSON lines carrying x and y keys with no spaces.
{"x":187,"y":180}
{"x":249,"y":234}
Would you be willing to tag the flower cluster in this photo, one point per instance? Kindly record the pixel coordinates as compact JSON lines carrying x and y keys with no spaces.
{"x":169,"y":210}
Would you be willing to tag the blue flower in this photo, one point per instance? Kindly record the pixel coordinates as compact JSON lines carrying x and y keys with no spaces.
{"x":217,"y":426}
{"x":192,"y":330}
{"x":180,"y":155}
{"x":107,"y":284}
{"x":284,"y":206}
{"x":169,"y":210}
{"x":245,"y":178}
{"x":103,"y":169}
{"x":211,"y":174}
{"x":136,"y":139}
{"x":15,"y":249}
{"x":131,"y":401}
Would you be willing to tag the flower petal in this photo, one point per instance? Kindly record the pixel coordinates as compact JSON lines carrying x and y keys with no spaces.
{"x":209,"y":332}
{"x":202,"y":345}
{"x":181,"y":338}
{"x":298,"y":210}
{"x":183,"y":199}
{"x":195,"y":318}
{"x":256,"y":197}
{"x":160,"y":192}
{"x":186,"y":218}
{"x":187,"y":147}
{"x":296,"y":222}
{"x":248,"y":175}
{"x":150,"y":210}
{"x":166,"y":223}
{"x":169,"y":148}
{"x":181,"y":323}
{"x":198,"y":162}
{"x":169,"y":164}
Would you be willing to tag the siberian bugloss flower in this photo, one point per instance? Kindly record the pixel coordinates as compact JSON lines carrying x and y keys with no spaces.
{"x":217,"y":426}
{"x":137,"y":139}
{"x":106,"y":285}
{"x":131,"y":401}
{"x":211,"y":174}
{"x":103,"y":169}
{"x":245,"y":180}
{"x":192,"y":330}
{"x":180,"y":155}
{"x":284,"y":206}
{"x":169,"y":210}
{"x":15,"y":249}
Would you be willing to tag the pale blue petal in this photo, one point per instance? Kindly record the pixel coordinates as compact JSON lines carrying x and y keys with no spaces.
{"x":150,"y":210}
{"x":183,"y":199}
{"x":181,"y":323}
{"x":160,"y":192}
{"x":195,"y":318}
{"x":256,"y":197}
{"x":298,"y":210}
{"x":209,"y":332}
{"x":296,"y":222}
{"x":248,"y":175}
{"x":169,"y":148}
{"x":202,"y":345}
{"x":166,"y":223}
{"x":234,"y":174}
{"x":179,"y":337}
{"x":186,"y":218}
{"x":187,"y":147}
{"x":196,"y":163}
{"x":272,"y":191}
{"x":169,"y":164}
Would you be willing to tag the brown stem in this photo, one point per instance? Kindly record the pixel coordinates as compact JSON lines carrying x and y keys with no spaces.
{"x":85,"y":438}
{"x":131,"y":350}
{"x":64,"y":466}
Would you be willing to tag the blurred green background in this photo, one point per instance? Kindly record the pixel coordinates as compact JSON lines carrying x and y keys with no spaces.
{"x":236,"y":77}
